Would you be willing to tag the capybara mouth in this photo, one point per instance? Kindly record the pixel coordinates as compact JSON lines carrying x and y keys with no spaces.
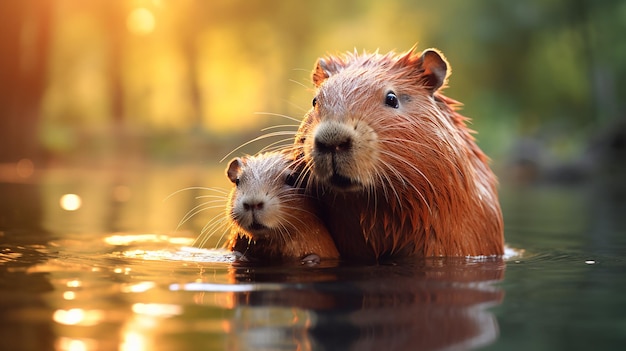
{"x":341,"y":182}
{"x":256,"y":226}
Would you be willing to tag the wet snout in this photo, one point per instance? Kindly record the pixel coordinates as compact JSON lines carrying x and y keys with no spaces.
{"x":332,"y":141}
{"x":332,"y":152}
{"x":253,"y":204}
{"x":333,"y":138}
{"x":251,"y":213}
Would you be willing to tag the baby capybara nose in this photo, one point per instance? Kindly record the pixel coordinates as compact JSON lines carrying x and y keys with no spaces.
{"x":253,"y":205}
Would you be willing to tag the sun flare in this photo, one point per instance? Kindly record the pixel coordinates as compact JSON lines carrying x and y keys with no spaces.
{"x":141,"y":21}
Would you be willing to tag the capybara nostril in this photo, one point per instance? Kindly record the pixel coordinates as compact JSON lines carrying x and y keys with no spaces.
{"x":333,"y":146}
{"x":253,"y":205}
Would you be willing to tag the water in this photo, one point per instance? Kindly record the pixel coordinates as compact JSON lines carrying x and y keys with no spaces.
{"x":111,"y":269}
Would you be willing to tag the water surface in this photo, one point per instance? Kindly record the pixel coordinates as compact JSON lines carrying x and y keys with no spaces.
{"x":119,"y":273}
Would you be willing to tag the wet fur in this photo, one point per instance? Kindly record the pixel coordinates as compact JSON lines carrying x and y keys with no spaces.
{"x":293,"y":230}
{"x":420,"y":186}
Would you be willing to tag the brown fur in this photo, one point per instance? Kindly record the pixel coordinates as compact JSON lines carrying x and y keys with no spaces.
{"x":395,"y":182}
{"x":285,"y":225}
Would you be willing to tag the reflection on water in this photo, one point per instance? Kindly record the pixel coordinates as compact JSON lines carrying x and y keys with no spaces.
{"x":150,"y":199}
{"x":70,"y":282}
{"x":150,"y":292}
{"x":70,"y":202}
{"x":429,"y":305}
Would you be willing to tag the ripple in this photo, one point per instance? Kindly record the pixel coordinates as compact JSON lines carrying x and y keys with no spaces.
{"x":185,"y":254}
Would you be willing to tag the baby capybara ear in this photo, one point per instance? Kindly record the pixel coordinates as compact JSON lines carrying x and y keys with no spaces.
{"x":435,"y":69}
{"x":232,"y":171}
{"x":326,"y":67}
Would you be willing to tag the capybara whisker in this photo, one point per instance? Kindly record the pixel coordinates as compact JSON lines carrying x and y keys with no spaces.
{"x":277,"y":146}
{"x":264,"y":136}
{"x":209,"y":229}
{"x":217,"y":190}
{"x":198,"y":209}
{"x":297,"y":120}
{"x":288,"y":132}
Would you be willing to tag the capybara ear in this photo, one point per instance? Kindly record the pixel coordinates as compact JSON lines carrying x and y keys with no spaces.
{"x":435,"y":69}
{"x":232,"y":171}
{"x":326,"y":67}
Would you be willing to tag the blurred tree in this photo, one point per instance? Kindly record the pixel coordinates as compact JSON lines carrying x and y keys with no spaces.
{"x":559,"y":61}
{"x":115,"y":15}
{"x":24,"y":41}
{"x":537,"y":65}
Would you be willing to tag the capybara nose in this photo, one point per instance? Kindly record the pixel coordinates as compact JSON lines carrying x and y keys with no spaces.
{"x":253,"y":205}
{"x":335,"y":145}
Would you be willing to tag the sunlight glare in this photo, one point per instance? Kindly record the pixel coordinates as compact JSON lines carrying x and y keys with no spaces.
{"x":120,"y":270}
{"x":127,"y":239}
{"x":141,"y":21}
{"x":138,"y":288}
{"x":133,"y":341}
{"x":70,"y":202}
{"x":78,"y":316}
{"x":74,"y":283}
{"x":157,"y":309}
{"x":69,"y":344}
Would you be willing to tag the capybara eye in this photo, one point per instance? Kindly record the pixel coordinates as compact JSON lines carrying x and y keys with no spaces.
{"x":391,"y":100}
{"x":237,"y":181}
{"x":291,"y":179}
{"x":314,"y":103}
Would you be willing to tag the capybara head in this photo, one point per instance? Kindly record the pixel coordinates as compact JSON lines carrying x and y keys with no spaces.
{"x":382,"y":139}
{"x":376,"y":117}
{"x":271,"y":217}
{"x":263,"y":194}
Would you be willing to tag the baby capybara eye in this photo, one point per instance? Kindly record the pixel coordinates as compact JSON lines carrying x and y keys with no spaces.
{"x":291,"y":179}
{"x":391,"y":100}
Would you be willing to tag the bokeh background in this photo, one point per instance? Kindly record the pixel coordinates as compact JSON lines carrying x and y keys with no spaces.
{"x":102,"y":87}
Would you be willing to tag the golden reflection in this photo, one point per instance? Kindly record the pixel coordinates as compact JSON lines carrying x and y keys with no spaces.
{"x":120,"y":270}
{"x":137,"y":334}
{"x":138,"y":288}
{"x":78,"y":316}
{"x":141,"y":21}
{"x":74,"y":284}
{"x":126,"y":239}
{"x":157,"y":309}
{"x":70,"y":202}
{"x":69,"y":295}
{"x":70,"y":344}
{"x":134,"y":341}
{"x":227,"y":301}
{"x":182,"y":241}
